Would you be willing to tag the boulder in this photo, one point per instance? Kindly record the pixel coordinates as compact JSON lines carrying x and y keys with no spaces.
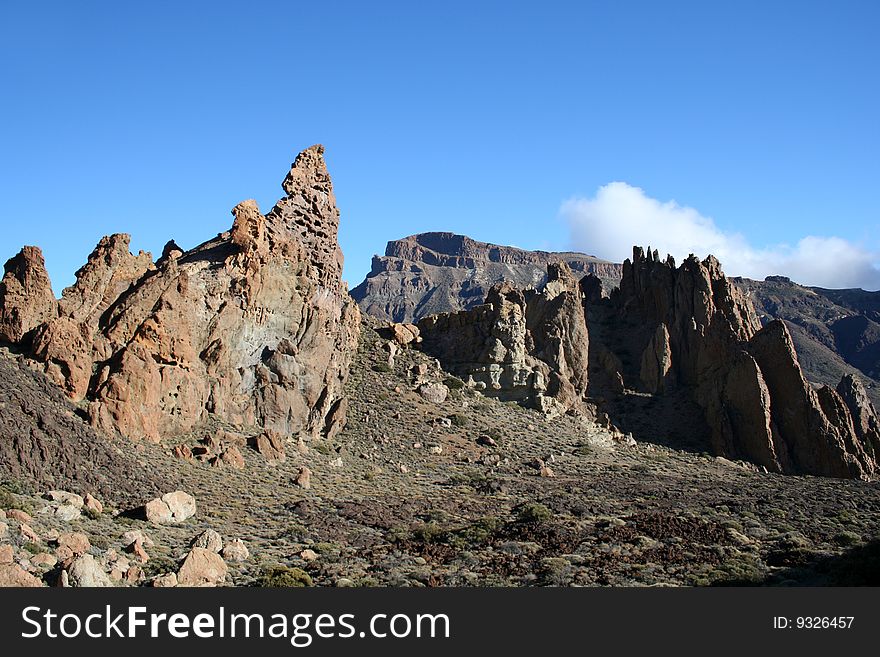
{"x":209,"y":540}
{"x":235,"y":550}
{"x":435,"y":393}
{"x":13,"y":575}
{"x":71,"y":544}
{"x":86,"y":572}
{"x":202,"y":567}
{"x":171,"y":509}
{"x":63,"y":497}
{"x":304,"y":478}
{"x":271,"y":445}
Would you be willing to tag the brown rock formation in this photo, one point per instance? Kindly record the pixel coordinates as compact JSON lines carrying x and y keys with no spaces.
{"x":254,"y":326}
{"x":528,"y":346}
{"x":747,"y":380}
{"x":70,"y":344}
{"x":864,"y":416}
{"x":26,"y":298}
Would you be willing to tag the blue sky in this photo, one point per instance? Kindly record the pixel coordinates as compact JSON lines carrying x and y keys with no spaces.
{"x":754,"y":122}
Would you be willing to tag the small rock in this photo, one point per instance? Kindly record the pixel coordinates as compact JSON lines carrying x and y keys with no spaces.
{"x":336,"y":463}
{"x":209,"y":540}
{"x":738,"y":537}
{"x":304,"y":478}
{"x":271,"y":445}
{"x":44,"y":559}
{"x":404,"y":334}
{"x":165,"y":581}
{"x":486,"y":441}
{"x":183,"y":452}
{"x":403,"y":468}
{"x":436,"y":449}
{"x":65,"y":497}
{"x":301,"y":446}
{"x":202,"y":568}
{"x":344,"y":582}
{"x":232,"y":457}
{"x":18,"y":514}
{"x":93,"y":504}
{"x":13,"y":575}
{"x":86,"y":572}
{"x":134,"y":574}
{"x":7,"y":554}
{"x":71,"y":544}
{"x":133,"y":535}
{"x":546,"y":471}
{"x":434,"y":393}
{"x":137,"y":549}
{"x":4,"y":528}
{"x":171,"y":509}
{"x":236,"y":550}
{"x":28,"y":534}
{"x":68,"y":512}
{"x":308,"y":555}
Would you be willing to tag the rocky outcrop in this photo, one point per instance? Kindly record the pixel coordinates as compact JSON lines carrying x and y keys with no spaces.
{"x":526,"y":346}
{"x":71,"y":344}
{"x":254,"y":327}
{"x":864,"y":415}
{"x":709,"y":344}
{"x":434,"y":273}
{"x":26,"y":298}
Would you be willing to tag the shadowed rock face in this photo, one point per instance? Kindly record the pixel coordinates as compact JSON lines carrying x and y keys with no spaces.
{"x":434,"y":273}
{"x":254,"y":327}
{"x":747,"y":379}
{"x":525,"y":346}
{"x":683,"y":335}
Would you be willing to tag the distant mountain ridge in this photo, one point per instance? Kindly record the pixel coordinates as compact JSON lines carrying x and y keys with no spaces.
{"x":429,"y":273}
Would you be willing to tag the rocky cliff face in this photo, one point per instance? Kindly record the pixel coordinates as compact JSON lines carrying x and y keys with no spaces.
{"x":698,"y":332}
{"x":434,"y":273}
{"x":684,"y":342}
{"x":834,"y":331}
{"x":26,"y":298}
{"x":525,"y":346}
{"x":254,"y":327}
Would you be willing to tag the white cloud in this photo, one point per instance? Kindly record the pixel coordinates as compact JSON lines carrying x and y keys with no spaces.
{"x":620,"y":216}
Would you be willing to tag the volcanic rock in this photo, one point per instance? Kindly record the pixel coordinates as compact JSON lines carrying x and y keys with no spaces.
{"x":26,"y":298}
{"x":254,"y":327}
{"x":526,"y":346}
{"x":202,"y":567}
{"x":85,"y":571}
{"x":171,"y":509}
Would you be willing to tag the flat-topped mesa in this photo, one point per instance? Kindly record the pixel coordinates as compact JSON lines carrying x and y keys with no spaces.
{"x":437,"y":272}
{"x":521,"y":345}
{"x":699,"y":332}
{"x":254,"y":327}
{"x":26,"y":298}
